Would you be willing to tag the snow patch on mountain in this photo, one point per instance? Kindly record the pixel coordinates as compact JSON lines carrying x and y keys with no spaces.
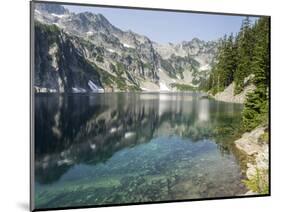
{"x":127,"y":45}
{"x":95,"y":88}
{"x":163,"y":87}
{"x":89,"y":33}
{"x":205,"y":67}
{"x":78,"y":90}
{"x":37,"y":11}
{"x":59,"y":16}
{"x":111,"y":50}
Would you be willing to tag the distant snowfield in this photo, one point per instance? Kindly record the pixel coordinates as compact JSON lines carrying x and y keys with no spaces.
{"x":111,"y":50}
{"x":163,"y":87}
{"x":94,"y":87}
{"x":127,"y":45}
{"x":152,"y":87}
{"x":37,"y":11}
{"x":205,"y":67}
{"x":165,"y":81}
{"x":89,"y":33}
{"x":59,"y":16}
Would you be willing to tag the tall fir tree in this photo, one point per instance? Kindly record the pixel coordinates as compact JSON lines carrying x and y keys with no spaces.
{"x":246,"y":42}
{"x":256,"y":107}
{"x":239,"y":57}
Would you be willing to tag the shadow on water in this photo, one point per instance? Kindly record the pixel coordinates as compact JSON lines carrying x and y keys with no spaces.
{"x":77,"y":131}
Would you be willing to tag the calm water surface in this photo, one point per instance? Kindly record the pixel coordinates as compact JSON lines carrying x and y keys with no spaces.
{"x":127,"y":148}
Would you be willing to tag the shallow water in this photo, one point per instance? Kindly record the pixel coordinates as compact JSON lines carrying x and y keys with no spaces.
{"x":128,"y":148}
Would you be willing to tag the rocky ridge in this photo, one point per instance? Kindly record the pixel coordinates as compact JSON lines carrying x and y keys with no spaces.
{"x":120,"y":60}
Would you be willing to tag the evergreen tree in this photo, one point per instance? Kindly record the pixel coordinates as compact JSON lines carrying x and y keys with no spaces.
{"x":246,"y":42}
{"x":239,"y":57}
{"x":222,"y":73}
{"x":256,"y":107}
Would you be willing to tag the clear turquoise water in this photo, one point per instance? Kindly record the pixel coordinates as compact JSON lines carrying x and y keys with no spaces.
{"x":127,"y":148}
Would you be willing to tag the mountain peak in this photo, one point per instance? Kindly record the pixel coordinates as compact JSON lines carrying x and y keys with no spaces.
{"x":196,"y":40}
{"x":51,"y":8}
{"x":101,"y":17}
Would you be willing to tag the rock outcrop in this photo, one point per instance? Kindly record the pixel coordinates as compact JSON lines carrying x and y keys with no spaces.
{"x":228,"y":94}
{"x":256,"y":150}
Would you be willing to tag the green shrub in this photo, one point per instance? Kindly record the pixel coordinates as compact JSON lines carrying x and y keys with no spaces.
{"x":259,"y":182}
{"x":99,"y":58}
{"x":264,"y":138}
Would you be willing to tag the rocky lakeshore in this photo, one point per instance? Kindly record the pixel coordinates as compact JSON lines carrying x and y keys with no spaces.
{"x":228,"y":94}
{"x":254,"y":146}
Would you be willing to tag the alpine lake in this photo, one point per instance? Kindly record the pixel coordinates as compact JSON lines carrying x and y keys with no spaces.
{"x":121,"y":148}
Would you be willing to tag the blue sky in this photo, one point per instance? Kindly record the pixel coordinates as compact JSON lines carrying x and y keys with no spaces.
{"x":164,"y":27}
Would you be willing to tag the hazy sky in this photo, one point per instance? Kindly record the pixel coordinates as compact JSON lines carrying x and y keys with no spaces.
{"x":166,"y":27}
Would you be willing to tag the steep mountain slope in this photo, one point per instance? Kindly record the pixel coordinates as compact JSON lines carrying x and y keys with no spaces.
{"x":85,"y":52}
{"x":59,"y":66}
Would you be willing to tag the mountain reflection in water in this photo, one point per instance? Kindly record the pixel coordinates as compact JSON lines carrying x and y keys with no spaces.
{"x":80,"y":139}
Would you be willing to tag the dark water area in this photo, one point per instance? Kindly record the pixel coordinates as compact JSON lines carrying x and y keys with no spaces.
{"x":98,"y":149}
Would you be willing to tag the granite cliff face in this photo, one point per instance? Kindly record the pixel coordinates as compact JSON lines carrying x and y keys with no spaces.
{"x":84,"y":52}
{"x":60,"y":65}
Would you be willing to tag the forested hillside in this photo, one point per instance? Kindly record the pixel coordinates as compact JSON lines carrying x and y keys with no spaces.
{"x":244,"y":59}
